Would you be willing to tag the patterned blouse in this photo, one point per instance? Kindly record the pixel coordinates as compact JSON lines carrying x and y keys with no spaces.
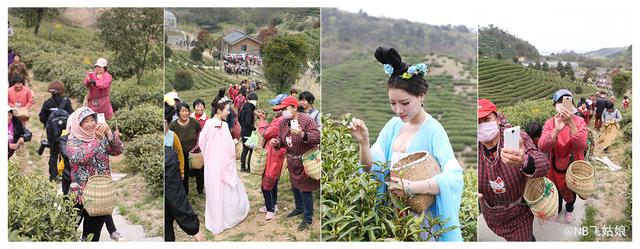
{"x":88,"y":159}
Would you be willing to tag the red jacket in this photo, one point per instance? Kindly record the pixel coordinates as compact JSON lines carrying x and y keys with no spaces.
{"x":275,"y":157}
{"x":560,"y":151}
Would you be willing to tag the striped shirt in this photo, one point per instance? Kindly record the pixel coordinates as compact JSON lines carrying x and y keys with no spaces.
{"x":299,"y":179}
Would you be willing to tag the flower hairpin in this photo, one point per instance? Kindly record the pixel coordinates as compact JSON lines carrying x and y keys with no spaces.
{"x":388,"y":69}
{"x":415,"y":69}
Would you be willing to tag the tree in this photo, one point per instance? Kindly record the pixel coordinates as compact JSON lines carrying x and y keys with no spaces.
{"x":538,"y":65}
{"x":515,"y":59}
{"x":530,"y":66}
{"x":167,"y":52}
{"x":182,"y":80}
{"x":562,"y":74}
{"x":33,"y":16}
{"x":285,"y":60}
{"x":621,"y":83}
{"x":499,"y":56}
{"x":545,"y":66}
{"x":250,"y":28}
{"x":560,"y":68}
{"x":196,"y":54}
{"x":135,"y":37}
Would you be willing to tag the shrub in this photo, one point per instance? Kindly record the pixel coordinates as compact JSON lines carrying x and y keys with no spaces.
{"x":183,"y":80}
{"x":36,"y":211}
{"x":167,"y":52}
{"x":578,"y":90}
{"x":196,"y":54}
{"x":469,"y":206}
{"x":525,"y":112}
{"x":626,"y":130}
{"x":130,"y":93}
{"x":145,"y":155}
{"x":351,"y":210}
{"x":139,"y":120}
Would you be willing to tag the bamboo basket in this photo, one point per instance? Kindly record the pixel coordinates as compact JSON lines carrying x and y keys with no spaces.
{"x":312,"y":162}
{"x":99,"y":195}
{"x":238,"y":149}
{"x":580,"y":178}
{"x":258,"y":160}
{"x":542,"y":197}
{"x":196,"y":161}
{"x":417,"y":166}
{"x":20,"y":156}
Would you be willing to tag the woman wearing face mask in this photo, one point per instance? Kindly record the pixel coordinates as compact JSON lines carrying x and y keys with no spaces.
{"x":564,"y":139}
{"x":227,"y":203}
{"x":413,"y":130}
{"x":88,"y":148}
{"x":502,"y":175}
{"x":297,"y":141}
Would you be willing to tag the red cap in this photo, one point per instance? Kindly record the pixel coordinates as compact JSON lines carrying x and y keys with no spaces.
{"x":485,"y":107}
{"x":287,"y":102}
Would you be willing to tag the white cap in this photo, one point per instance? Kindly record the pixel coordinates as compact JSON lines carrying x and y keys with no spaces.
{"x":102,"y":62}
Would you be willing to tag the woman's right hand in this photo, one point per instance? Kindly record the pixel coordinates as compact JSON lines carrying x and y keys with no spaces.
{"x":359,"y":130}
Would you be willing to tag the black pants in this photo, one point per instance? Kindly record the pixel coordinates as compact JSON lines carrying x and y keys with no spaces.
{"x":271,"y":197}
{"x":199,"y":175}
{"x":569,"y":205}
{"x":54,"y":150}
{"x":111,"y":227}
{"x":90,"y":224}
{"x":243,"y":157}
{"x":304,"y":203}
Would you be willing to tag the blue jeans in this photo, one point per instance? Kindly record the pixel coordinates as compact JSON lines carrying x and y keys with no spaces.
{"x":271,"y":197}
{"x":304,"y":203}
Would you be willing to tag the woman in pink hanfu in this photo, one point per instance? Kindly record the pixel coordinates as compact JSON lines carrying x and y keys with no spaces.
{"x":227,"y":203}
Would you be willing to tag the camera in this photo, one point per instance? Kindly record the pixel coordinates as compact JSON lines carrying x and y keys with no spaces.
{"x":43,"y":144}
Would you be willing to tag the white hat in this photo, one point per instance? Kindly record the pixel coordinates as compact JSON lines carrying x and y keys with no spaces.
{"x":102,"y":62}
{"x":173,"y":95}
{"x":14,"y":111}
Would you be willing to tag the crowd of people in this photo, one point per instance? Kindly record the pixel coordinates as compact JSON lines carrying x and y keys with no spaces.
{"x":235,"y":117}
{"x":546,"y":150}
{"x":240,"y":64}
{"x":79,"y":139}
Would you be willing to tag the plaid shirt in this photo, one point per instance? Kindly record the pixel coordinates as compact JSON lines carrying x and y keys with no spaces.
{"x":502,"y":187}
{"x":299,"y":179}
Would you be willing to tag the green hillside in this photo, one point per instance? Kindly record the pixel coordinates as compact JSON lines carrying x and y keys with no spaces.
{"x":358,"y":86}
{"x":505,"y":83}
{"x":496,"y":43}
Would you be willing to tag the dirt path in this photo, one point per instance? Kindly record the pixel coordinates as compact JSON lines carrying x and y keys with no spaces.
{"x":255,"y":227}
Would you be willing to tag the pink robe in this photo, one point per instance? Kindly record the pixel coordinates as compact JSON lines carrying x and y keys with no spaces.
{"x":227,"y":203}
{"x":98,"y":97}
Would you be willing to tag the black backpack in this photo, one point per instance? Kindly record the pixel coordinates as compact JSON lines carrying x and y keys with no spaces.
{"x":57,"y":122}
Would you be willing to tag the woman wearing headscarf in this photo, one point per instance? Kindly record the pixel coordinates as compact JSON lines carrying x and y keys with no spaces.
{"x":297,"y":141}
{"x":564,"y":139}
{"x":88,"y":148}
{"x":407,"y":90}
{"x":502,"y":175}
{"x":99,"y":84}
{"x":226,"y":203}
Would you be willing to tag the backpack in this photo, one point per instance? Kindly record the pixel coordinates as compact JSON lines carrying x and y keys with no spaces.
{"x":57,"y":122}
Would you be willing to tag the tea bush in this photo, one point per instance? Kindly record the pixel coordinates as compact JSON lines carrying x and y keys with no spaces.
{"x":351,"y":207}
{"x":183,"y":80}
{"x":130,"y":93}
{"x":145,"y":155}
{"x":525,"y":112}
{"x":36,"y":211}
{"x":139,"y":120}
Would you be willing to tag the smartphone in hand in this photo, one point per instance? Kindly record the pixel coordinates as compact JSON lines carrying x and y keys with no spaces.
{"x":567,"y":103}
{"x":100,"y":117}
{"x":294,"y":124}
{"x":512,"y":138}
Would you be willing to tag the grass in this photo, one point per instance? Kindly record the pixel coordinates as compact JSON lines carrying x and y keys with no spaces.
{"x":589,"y":221}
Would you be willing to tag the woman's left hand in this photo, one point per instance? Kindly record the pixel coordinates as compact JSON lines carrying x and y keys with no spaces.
{"x":396,"y":185}
{"x":297,"y":132}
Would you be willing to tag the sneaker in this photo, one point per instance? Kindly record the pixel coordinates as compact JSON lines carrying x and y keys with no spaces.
{"x":263,"y":209}
{"x":303,"y":225}
{"x":568,"y":217}
{"x":270,"y":215}
{"x":116,"y":236}
{"x":294,"y":213}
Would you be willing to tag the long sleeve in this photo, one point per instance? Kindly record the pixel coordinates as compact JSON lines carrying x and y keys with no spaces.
{"x":312,"y":133}
{"x":540,"y":162}
{"x":29,"y":100}
{"x":579,"y":138}
{"x":104,"y":82}
{"x":44,"y":113}
{"x":114,"y":147}
{"x":546,"y":142}
{"x":177,"y":146}
{"x":618,"y":116}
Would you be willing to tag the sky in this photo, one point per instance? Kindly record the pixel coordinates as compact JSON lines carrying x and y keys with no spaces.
{"x":565,"y":25}
{"x":454,"y":12}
